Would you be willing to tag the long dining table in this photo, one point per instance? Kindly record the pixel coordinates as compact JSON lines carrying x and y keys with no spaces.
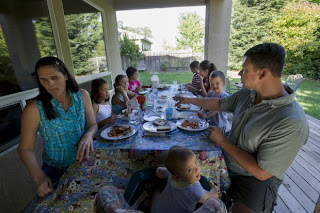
{"x":114,"y":161}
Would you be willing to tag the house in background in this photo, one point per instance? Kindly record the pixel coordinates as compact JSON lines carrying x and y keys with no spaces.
{"x":143,"y":42}
{"x":20,"y":24}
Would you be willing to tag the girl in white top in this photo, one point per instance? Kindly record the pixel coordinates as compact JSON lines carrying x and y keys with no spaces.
{"x":100,"y":102}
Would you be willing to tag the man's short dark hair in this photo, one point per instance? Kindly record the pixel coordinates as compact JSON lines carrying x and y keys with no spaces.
{"x":267,"y":55}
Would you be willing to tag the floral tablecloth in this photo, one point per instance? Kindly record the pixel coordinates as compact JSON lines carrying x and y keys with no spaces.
{"x":113,"y":163}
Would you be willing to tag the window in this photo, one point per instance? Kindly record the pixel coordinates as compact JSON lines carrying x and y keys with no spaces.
{"x":22,"y":43}
{"x":86,"y":38}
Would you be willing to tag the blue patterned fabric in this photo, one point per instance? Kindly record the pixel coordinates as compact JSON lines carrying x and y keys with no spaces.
{"x":62,"y":134}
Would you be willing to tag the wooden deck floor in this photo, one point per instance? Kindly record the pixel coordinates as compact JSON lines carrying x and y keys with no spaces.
{"x":301,"y":186}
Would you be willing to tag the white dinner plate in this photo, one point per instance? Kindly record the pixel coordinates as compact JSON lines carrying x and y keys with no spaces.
{"x":153,"y":128}
{"x":188,"y":107}
{"x":202,"y":124}
{"x":142,"y":92}
{"x":152,"y":117}
{"x":105,"y":132}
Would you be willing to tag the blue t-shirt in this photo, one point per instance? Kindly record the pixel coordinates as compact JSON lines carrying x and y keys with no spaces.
{"x":219,"y":119}
{"x":175,"y":198}
{"x":62,"y":134}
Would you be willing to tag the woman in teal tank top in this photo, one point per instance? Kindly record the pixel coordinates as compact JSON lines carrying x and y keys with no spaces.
{"x":63,"y":115}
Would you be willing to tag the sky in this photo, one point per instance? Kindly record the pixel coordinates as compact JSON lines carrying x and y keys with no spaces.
{"x":162,"y":22}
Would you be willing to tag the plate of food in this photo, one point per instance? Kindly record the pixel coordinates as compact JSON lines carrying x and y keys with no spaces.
{"x":152,"y":117}
{"x":188,"y":107}
{"x":184,"y":106}
{"x":159,"y":125}
{"x":192,"y":124}
{"x":163,"y":87}
{"x":125,"y":115}
{"x":118,"y":132}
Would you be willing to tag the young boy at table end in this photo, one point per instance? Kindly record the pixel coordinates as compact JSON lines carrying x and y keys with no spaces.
{"x":194,"y":86}
{"x":183,"y":190}
{"x":216,"y":118}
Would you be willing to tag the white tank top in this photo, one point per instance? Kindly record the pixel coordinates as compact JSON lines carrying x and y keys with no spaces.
{"x":104,"y":112}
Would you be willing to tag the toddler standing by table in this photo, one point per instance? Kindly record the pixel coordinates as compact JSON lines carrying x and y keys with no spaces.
{"x":134,"y":84}
{"x":183,"y":190}
{"x":122,"y":95}
{"x":100,"y":102}
{"x":219,"y":119}
{"x":194,"y":86}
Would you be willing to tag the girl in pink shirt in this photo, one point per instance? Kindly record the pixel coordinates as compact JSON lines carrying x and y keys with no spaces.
{"x":134,"y":84}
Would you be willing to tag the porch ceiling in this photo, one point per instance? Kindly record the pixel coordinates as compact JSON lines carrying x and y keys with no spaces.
{"x":148,"y":4}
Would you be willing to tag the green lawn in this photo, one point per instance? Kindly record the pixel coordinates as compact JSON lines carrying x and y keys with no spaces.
{"x":308,"y":93}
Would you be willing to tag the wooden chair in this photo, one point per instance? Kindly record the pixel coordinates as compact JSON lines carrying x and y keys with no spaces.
{"x":294,"y":81}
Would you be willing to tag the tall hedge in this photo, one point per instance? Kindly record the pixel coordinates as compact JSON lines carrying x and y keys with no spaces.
{"x":298,"y":30}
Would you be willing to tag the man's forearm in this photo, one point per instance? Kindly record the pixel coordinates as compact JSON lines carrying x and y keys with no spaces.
{"x":245,"y":160}
{"x":206,"y":103}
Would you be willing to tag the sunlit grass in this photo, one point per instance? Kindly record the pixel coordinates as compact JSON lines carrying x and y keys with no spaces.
{"x":308,"y":93}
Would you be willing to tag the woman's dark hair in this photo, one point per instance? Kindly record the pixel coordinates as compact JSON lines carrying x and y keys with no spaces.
{"x":219,"y":74}
{"x":268,"y":55}
{"x":95,"y":86}
{"x":207,"y":65}
{"x":194,"y":64}
{"x":116,"y":81}
{"x":46,"y":97}
{"x":130,"y":71}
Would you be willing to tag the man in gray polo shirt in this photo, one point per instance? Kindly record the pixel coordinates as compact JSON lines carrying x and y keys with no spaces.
{"x":269,"y":127}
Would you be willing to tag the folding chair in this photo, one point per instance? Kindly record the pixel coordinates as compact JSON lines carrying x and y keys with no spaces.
{"x":294,"y":81}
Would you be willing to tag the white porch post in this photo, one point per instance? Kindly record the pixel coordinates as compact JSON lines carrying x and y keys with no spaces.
{"x":217,"y":33}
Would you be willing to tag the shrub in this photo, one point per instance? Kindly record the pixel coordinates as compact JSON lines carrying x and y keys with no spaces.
{"x":298,"y":30}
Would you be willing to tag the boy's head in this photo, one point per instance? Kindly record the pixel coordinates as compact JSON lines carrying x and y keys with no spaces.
{"x":182,"y":164}
{"x":194,"y":66}
{"x":217,"y":81}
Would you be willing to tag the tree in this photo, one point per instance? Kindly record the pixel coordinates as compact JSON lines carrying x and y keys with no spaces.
{"x":44,"y":36}
{"x":191,"y":32}
{"x":251,"y":23}
{"x":6,"y":67}
{"x":130,"y":51}
{"x":298,"y":30}
{"x":144,"y":31}
{"x":83,"y":38}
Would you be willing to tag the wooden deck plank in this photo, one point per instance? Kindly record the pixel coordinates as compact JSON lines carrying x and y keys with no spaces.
{"x":314,"y":171}
{"x":291,"y":202}
{"x":311,"y":147}
{"x":281,"y":207}
{"x":295,"y":190}
{"x":306,"y":175}
{"x":315,"y":139}
{"x":310,"y":155}
{"x":303,"y":184}
{"x":313,"y":142}
{"x":311,"y":162}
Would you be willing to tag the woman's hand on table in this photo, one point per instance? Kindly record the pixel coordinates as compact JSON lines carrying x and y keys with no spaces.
{"x":216,"y":136}
{"x":84,"y":147}
{"x":44,"y":186}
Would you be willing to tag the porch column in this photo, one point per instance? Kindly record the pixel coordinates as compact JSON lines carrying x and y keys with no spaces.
{"x":217,"y":32}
